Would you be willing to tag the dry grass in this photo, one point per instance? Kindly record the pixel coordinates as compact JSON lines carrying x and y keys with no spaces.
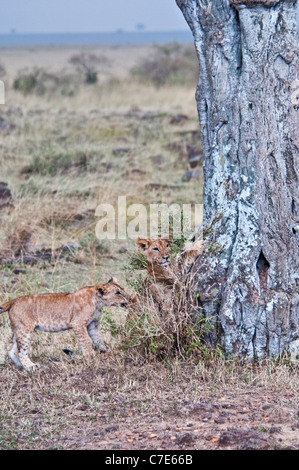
{"x":61,"y":155}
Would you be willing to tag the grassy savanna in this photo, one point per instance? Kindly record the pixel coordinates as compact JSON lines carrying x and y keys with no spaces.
{"x":67,"y":146}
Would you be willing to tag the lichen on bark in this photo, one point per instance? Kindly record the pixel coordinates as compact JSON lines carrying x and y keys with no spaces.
{"x":248,"y":114}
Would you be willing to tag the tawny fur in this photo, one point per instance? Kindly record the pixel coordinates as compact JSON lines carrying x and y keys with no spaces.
{"x":162,"y":274}
{"x":157,"y":251}
{"x":80,"y":311}
{"x":190,"y":252}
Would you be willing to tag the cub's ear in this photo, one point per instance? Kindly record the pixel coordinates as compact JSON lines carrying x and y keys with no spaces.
{"x":142,"y":243}
{"x":165,"y":239}
{"x":168,"y":241}
{"x":101,"y":291}
{"x":113,"y":279}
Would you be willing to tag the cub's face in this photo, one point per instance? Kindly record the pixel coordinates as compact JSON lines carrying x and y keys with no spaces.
{"x":111,"y":294}
{"x":155,"y":250}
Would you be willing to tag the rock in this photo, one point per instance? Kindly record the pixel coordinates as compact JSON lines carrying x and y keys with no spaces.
{"x":254,"y":444}
{"x":45,"y":254}
{"x":71,"y":247}
{"x":203,"y":411}
{"x":229,"y":406}
{"x":193,"y":174}
{"x":109,"y":167}
{"x":121,"y":151}
{"x":185,"y":438}
{"x":113,"y":427}
{"x":19,"y":271}
{"x":5,"y":195}
{"x":161,"y":186}
{"x":196,"y":160}
{"x":275,"y":429}
{"x":178,"y":119}
{"x":195,"y":155}
{"x":243,"y":440}
{"x":6,"y":128}
{"x":138,"y":171}
{"x":220,"y":420}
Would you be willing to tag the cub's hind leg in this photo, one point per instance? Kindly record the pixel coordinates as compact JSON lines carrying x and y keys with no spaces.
{"x":23,"y":343}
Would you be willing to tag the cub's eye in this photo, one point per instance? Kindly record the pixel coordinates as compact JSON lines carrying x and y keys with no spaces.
{"x":118,"y":293}
{"x":156,"y":249}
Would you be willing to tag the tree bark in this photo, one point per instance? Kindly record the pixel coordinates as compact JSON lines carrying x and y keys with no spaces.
{"x":247,"y":280}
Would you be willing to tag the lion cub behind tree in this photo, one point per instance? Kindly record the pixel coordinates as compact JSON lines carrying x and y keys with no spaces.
{"x":162,"y":274}
{"x":79,"y":311}
{"x":157,"y":251}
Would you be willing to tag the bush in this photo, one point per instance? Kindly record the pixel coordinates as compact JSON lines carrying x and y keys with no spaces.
{"x":171,"y":64}
{"x":25,"y":83}
{"x":163,"y":327}
{"x":88,"y":64}
{"x":57,"y":164}
{"x":40,"y":82}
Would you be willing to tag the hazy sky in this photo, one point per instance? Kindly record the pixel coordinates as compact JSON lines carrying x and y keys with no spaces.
{"x":36,"y":16}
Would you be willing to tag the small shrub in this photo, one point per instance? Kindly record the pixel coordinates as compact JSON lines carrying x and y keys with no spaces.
{"x":170,"y":64}
{"x":88,"y":65}
{"x":91,"y":77}
{"x":164,"y":327}
{"x":162,"y":334}
{"x":57,"y":164}
{"x":41,"y":82}
{"x":25,"y":83}
{"x":136,"y":261}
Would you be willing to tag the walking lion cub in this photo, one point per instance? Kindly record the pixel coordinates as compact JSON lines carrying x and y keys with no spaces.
{"x":80,"y":311}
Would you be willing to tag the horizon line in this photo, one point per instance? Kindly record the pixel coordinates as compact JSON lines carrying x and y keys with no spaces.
{"x":118,"y":31}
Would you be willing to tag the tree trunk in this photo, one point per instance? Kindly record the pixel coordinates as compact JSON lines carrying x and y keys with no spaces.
{"x":248,"y":105}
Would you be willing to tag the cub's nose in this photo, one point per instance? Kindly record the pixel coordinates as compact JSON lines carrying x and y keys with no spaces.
{"x":166,"y":261}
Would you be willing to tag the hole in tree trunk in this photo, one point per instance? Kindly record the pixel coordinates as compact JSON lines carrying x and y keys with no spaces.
{"x":262,"y":267}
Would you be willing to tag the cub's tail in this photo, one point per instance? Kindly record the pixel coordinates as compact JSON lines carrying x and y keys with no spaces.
{"x":7,"y":306}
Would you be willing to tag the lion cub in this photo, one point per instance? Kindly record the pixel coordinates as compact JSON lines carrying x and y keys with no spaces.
{"x":162,"y":274}
{"x":79,"y":311}
{"x":157,"y":251}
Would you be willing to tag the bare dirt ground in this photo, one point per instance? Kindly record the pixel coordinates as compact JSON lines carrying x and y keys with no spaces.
{"x":113,"y":406}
